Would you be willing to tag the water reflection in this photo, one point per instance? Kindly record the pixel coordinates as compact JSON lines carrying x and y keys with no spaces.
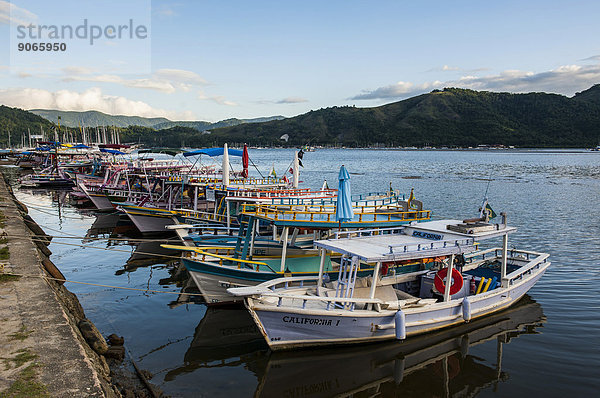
{"x":435,"y":364}
{"x":117,"y":230}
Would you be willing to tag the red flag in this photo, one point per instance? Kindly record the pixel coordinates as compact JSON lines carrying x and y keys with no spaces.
{"x":245,"y":161}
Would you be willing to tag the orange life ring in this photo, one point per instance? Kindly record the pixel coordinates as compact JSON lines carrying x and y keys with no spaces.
{"x":457,"y":281}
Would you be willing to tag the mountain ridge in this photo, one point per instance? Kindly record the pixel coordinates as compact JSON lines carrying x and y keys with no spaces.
{"x":96,"y":118}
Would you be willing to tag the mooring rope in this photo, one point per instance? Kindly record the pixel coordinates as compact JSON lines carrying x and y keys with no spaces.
{"x":41,"y":239}
{"x":71,"y":236}
{"x":98,"y":284}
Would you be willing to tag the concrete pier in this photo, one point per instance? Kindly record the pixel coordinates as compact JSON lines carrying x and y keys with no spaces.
{"x":42,"y":351}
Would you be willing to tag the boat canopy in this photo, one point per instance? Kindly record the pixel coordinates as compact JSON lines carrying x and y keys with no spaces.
{"x":421,"y":240}
{"x":112,"y":151}
{"x":166,"y":151}
{"x":396,"y":247}
{"x":214,"y":152}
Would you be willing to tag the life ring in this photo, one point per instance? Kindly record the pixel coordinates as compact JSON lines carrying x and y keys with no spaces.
{"x":385,"y":267}
{"x":457,"y":281}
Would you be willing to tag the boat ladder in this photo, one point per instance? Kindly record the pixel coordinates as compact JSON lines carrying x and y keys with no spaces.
{"x":346,"y":280}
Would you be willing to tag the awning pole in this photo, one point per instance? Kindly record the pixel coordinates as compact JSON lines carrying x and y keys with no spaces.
{"x":375,"y":279}
{"x":449,"y":279}
{"x":284,"y":238}
{"x":504,"y":260}
{"x":321,"y":266}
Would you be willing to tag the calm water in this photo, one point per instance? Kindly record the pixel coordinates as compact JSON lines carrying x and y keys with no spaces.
{"x":548,"y":345}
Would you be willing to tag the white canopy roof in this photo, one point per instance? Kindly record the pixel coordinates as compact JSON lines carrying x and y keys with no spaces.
{"x":426,"y":239}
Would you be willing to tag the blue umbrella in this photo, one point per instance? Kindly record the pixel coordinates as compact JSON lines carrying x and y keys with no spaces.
{"x":343,"y":206}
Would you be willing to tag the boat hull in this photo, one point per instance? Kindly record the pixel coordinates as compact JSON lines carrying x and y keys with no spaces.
{"x":286,"y":328}
{"x":149,"y":222}
{"x":214,"y":280}
{"x":101,"y":201}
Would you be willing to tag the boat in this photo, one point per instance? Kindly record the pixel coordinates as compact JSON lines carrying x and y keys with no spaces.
{"x":305,"y":311}
{"x":441,"y":362}
{"x":252,"y":259}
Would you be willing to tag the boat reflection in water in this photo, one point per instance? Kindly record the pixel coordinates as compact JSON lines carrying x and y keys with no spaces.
{"x":432,"y":364}
{"x":118,"y":230}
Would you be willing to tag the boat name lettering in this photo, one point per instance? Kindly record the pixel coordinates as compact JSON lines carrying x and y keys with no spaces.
{"x":310,"y":389}
{"x":427,"y":235}
{"x":309,"y":321}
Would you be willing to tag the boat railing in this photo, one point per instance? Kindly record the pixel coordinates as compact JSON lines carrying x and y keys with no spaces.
{"x":367,"y":232}
{"x":219,"y":180}
{"x":282,"y":196}
{"x":203,"y":215}
{"x":331,"y":201}
{"x":254,"y":264}
{"x":326,"y":213}
{"x":279,"y":288}
{"x":201,"y":253}
{"x":438,"y":244}
{"x":533,"y":261}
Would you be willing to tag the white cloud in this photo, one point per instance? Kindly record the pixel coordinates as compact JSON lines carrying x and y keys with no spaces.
{"x":398,"y":90}
{"x":164,"y":80}
{"x":219,"y":99}
{"x":291,"y":100}
{"x":10,"y":13}
{"x":594,"y":58}
{"x":164,"y":11}
{"x":91,"y":99}
{"x":446,"y":68}
{"x":566,"y":80}
{"x":180,"y":75}
{"x":77,"y":70}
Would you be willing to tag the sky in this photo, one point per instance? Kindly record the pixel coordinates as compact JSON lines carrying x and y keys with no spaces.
{"x":213,"y":60}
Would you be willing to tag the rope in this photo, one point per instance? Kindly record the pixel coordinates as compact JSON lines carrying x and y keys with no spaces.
{"x":62,"y":216}
{"x":92,"y":247}
{"x":100,"y":285}
{"x":69,"y":236}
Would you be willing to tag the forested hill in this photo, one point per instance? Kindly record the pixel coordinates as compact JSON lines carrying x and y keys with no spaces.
{"x":95,"y":118}
{"x":18,"y":122}
{"x":449,"y":117}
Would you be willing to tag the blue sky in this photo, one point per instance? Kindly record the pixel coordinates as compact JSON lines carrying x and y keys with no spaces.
{"x":211,"y":60}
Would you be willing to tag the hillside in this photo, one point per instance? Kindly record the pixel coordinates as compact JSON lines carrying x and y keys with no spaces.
{"x":18,"y":122}
{"x":95,"y":118}
{"x":449,"y":117}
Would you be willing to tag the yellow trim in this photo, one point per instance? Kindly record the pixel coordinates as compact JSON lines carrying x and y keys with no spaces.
{"x":199,"y":251}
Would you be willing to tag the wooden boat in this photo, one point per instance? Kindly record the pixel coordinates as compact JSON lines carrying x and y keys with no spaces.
{"x":304,"y":311}
{"x":219,"y":267}
{"x":441,"y":362}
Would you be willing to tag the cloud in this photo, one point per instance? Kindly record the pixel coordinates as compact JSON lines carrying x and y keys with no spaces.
{"x":398,"y":90}
{"x":219,"y":99}
{"x":447,"y":68}
{"x":291,"y":100}
{"x":77,"y":70}
{"x":10,"y":13}
{"x":180,"y":75}
{"x":91,"y":99}
{"x":592,"y":58}
{"x":164,"y":11}
{"x":164,"y":80}
{"x":566,"y":80}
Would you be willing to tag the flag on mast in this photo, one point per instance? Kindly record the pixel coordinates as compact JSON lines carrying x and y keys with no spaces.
{"x":487,"y":211}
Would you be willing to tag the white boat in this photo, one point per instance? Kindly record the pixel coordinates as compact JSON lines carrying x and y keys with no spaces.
{"x":295,"y":312}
